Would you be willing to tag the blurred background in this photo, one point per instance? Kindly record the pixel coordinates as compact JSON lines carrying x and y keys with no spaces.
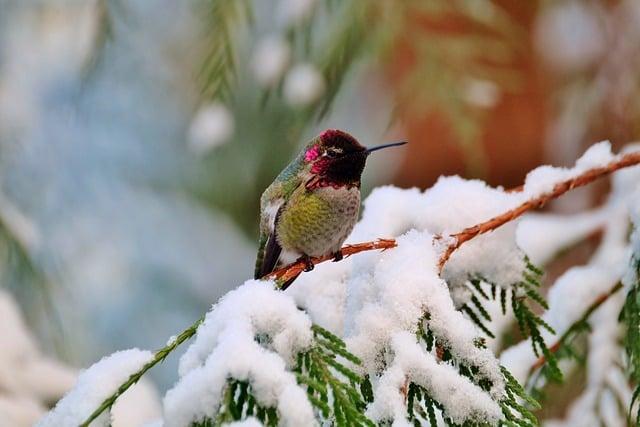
{"x":137,"y":136}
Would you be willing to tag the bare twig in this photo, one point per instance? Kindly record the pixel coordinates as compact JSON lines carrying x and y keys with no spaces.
{"x":630,"y":159}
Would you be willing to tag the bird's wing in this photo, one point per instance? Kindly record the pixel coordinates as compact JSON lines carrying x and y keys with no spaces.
{"x":273,"y":201}
{"x":269,"y":250}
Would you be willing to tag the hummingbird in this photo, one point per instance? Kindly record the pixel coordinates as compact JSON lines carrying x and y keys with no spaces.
{"x":313,"y":204}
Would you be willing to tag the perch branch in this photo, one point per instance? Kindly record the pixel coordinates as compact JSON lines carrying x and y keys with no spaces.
{"x":292,"y":270}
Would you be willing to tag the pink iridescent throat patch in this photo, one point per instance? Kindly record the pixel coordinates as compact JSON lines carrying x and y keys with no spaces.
{"x":312,"y":154}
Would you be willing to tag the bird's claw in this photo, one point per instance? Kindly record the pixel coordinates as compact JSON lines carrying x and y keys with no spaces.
{"x":308,"y":263}
{"x":337,"y":256}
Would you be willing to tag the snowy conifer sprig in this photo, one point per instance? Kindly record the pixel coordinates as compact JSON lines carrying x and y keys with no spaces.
{"x":520,"y":295}
{"x":336,"y":392}
{"x":516,"y":404}
{"x":238,"y":404}
{"x":393,"y":344}
{"x":565,"y":348}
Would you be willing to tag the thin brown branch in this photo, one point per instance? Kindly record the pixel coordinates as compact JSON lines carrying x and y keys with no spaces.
{"x":630,"y":159}
{"x":292,"y":270}
{"x":538,"y":202}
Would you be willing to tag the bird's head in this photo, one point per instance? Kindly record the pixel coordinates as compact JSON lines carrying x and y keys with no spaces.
{"x":338,"y":157}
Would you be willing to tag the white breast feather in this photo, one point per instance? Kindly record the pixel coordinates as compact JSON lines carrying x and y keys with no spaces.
{"x":271,"y":210}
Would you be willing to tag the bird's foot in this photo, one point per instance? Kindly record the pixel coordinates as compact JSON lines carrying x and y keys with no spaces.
{"x":308,"y":264}
{"x":337,"y":255}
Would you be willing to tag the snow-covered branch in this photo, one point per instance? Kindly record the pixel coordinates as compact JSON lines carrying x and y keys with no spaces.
{"x":401,"y":333}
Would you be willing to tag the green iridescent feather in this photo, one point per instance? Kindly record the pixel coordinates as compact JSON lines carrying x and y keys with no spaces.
{"x":283,"y":187}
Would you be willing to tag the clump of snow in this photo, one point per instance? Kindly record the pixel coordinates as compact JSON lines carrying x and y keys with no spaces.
{"x":270,"y":60}
{"x":542,"y":236}
{"x":212,"y":125}
{"x":249,"y":422}
{"x":607,"y":390}
{"x":578,"y":288}
{"x":303,"y":85}
{"x":451,"y":205}
{"x":323,"y":295}
{"x":462,"y":400}
{"x":226,"y":347}
{"x":544,"y":178}
{"x":28,"y":379}
{"x":94,"y":385}
{"x":404,"y":285}
{"x":139,"y":405}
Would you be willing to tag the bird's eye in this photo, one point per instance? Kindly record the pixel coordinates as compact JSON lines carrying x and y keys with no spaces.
{"x":332,"y":153}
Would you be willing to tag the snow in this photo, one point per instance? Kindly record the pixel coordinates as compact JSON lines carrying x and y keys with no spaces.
{"x":404,"y":284}
{"x":270,"y":60}
{"x":451,"y":205}
{"x":226,"y":347}
{"x":212,"y":126}
{"x":543,"y":236}
{"x":94,"y":385}
{"x":542,"y":179}
{"x":580,"y":286}
{"x":568,"y":298}
{"x":303,"y":85}
{"x":30,"y":381}
{"x":249,"y":422}
{"x":606,"y":382}
{"x":139,"y":405}
{"x":461,"y":399}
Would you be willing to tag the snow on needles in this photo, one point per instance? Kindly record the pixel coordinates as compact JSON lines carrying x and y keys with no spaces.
{"x":226,"y":347}
{"x":461,"y":399}
{"x":580,"y":286}
{"x":405,"y":284}
{"x":93,"y":386}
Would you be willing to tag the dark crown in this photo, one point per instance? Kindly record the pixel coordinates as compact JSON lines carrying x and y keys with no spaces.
{"x":339,"y":139}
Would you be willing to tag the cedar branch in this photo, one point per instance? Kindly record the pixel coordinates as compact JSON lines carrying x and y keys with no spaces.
{"x":585,"y":317}
{"x":293,"y":270}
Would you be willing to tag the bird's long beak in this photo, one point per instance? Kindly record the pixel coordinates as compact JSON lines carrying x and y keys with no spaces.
{"x":380,"y":147}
